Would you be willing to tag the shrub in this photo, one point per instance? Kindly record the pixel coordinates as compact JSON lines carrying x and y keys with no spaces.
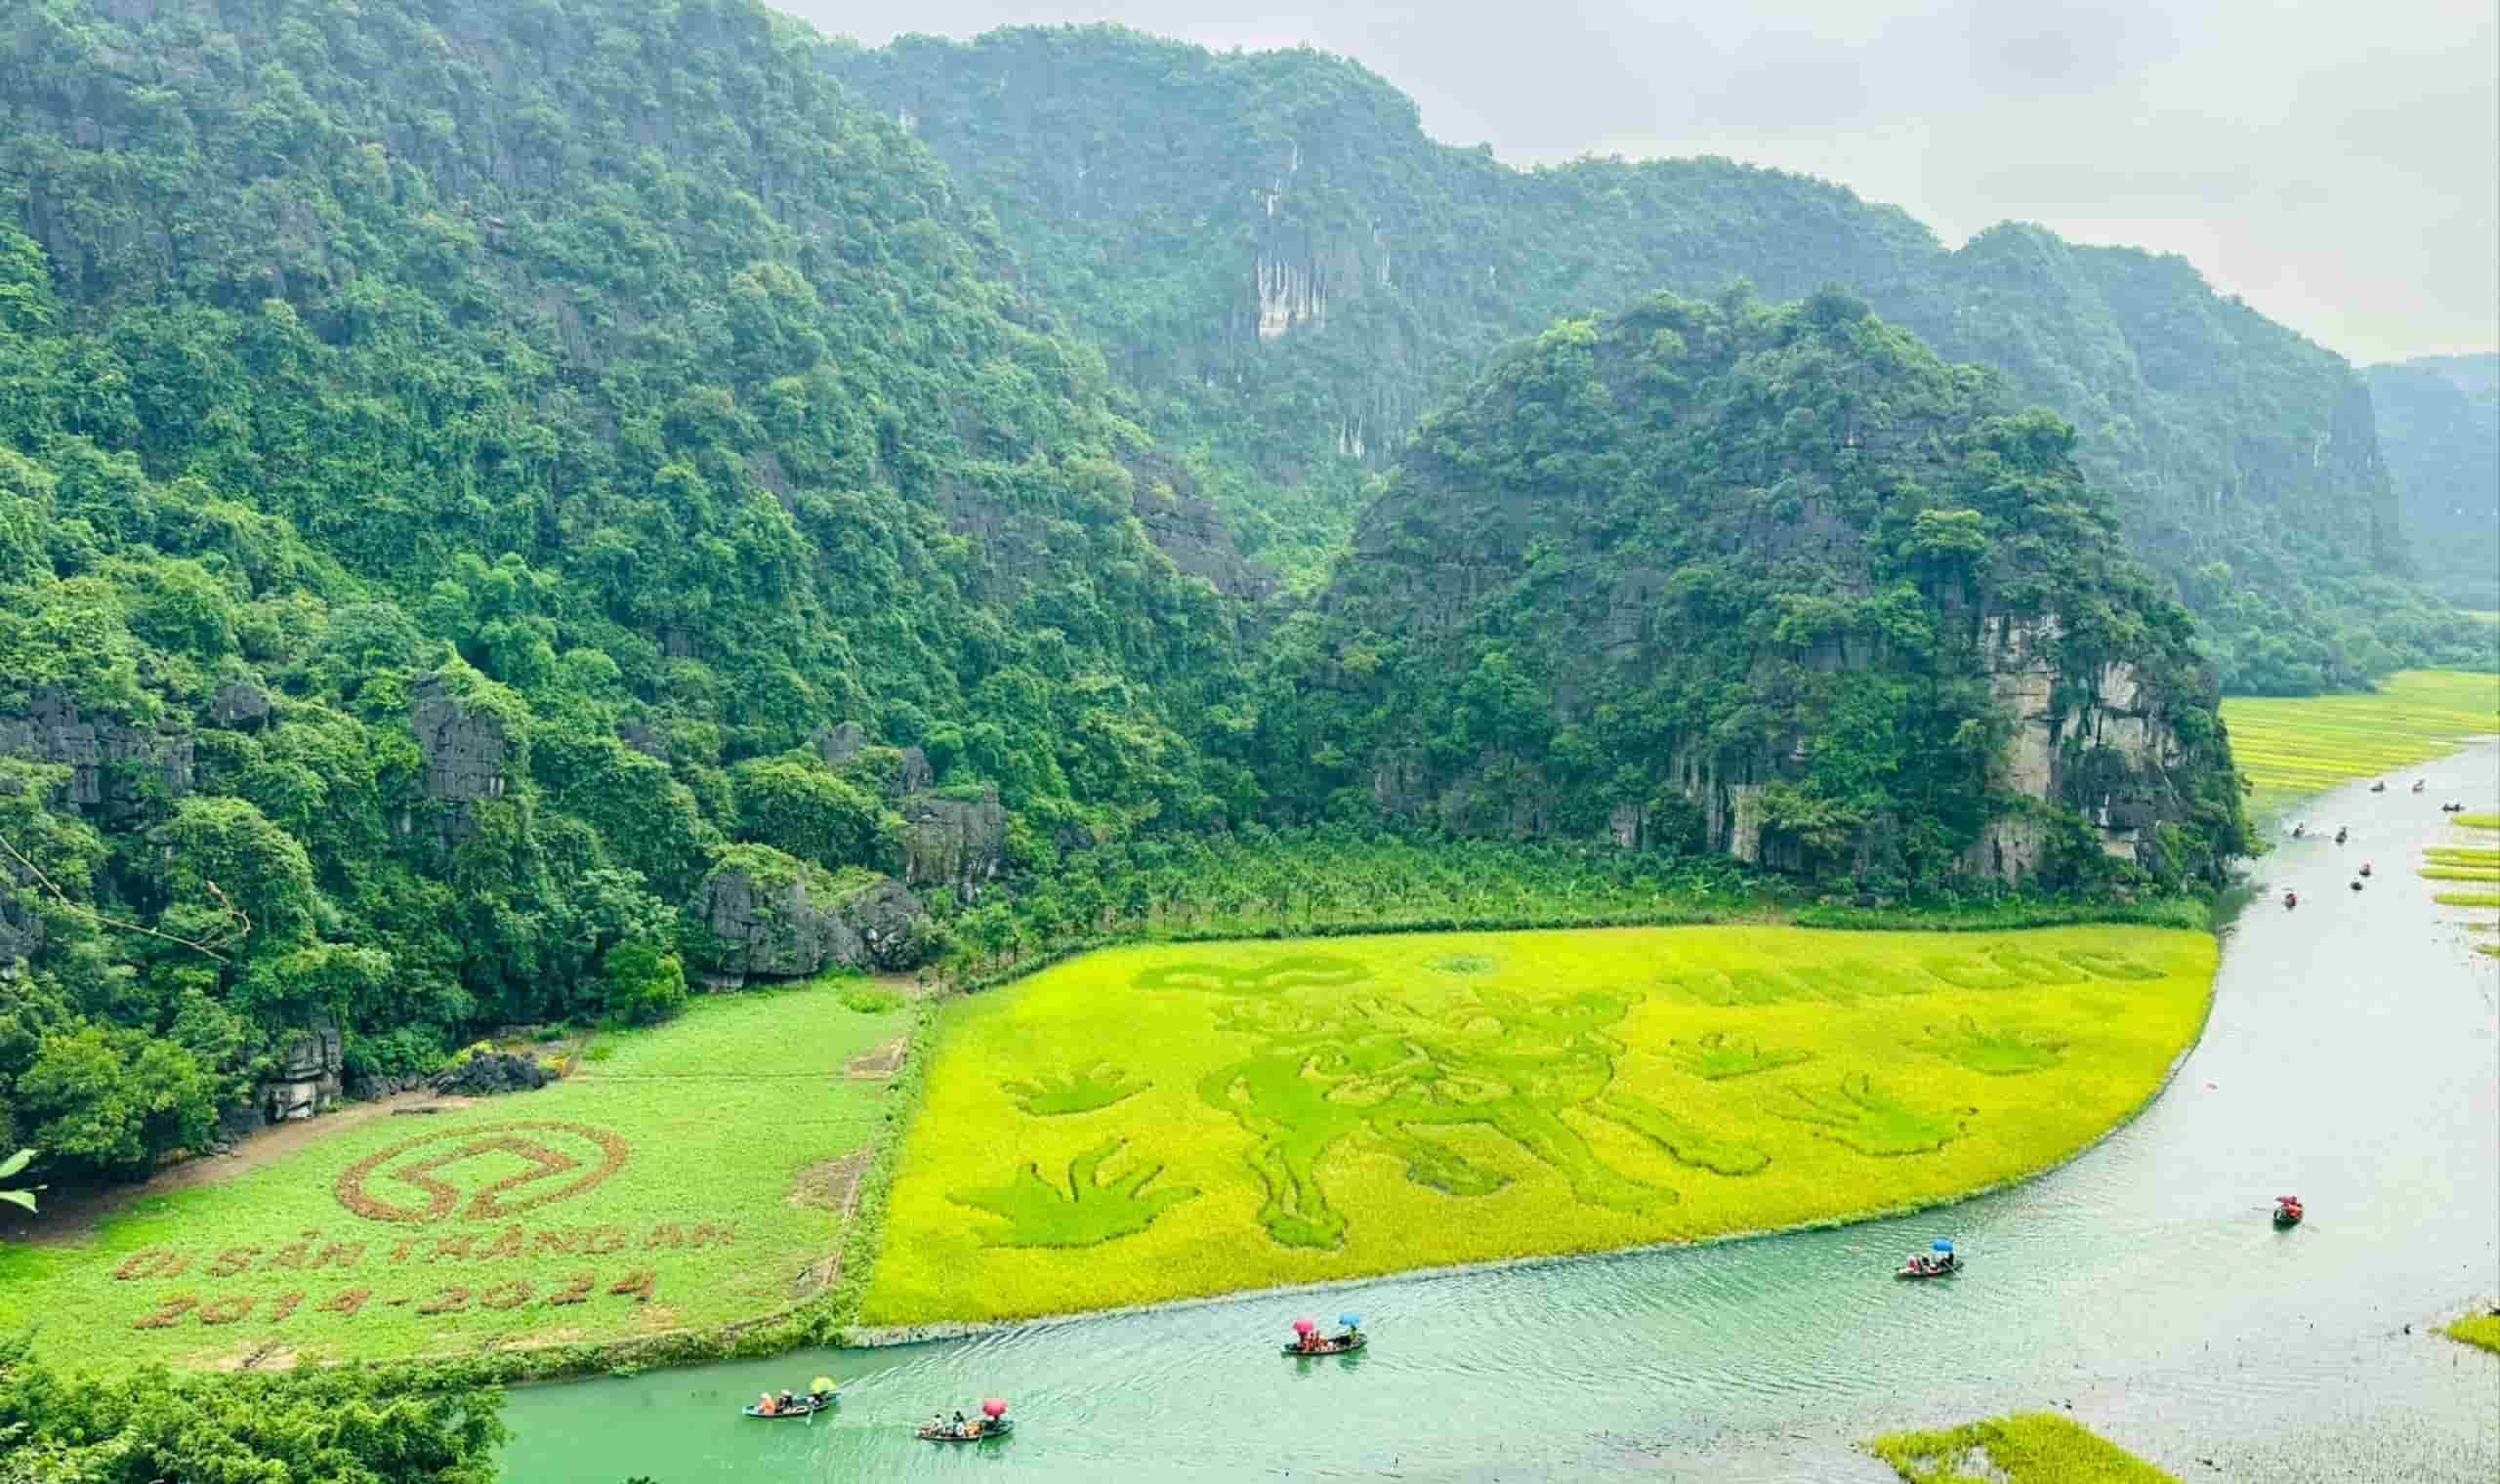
{"x":644,"y":983}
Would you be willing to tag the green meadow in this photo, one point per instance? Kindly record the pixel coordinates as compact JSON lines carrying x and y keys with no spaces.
{"x":2306,"y":743}
{"x":1179,"y":1121}
{"x":2032,"y":1448}
{"x":695,"y":1177}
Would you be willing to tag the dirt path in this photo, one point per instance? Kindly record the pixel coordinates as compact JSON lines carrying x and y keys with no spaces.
{"x":70,"y":1219}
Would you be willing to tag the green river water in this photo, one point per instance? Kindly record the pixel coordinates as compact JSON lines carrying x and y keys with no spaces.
{"x":2351,"y":1057}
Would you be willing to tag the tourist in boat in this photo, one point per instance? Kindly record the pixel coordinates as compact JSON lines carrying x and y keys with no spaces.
{"x":2365,"y":868}
{"x":2340,"y":833}
{"x":937,"y":1423}
{"x":2299,"y":830}
{"x":2291,"y":899}
{"x":764,"y":1406}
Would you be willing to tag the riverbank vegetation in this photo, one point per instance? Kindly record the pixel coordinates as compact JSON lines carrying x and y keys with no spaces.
{"x":1333,"y":880}
{"x":702,"y":1176}
{"x":341,"y":1426}
{"x":2287,"y":747}
{"x":2028,"y":1448}
{"x":1178,"y":1121}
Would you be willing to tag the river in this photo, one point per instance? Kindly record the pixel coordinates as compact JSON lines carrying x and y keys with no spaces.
{"x":2351,"y":1057}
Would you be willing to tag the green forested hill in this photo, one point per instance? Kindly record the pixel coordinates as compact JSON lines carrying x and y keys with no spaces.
{"x":2438,"y":421}
{"x":1290,"y":273}
{"x":462,"y":465}
{"x":1776,"y":582}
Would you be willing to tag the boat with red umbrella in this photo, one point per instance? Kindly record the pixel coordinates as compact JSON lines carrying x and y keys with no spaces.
{"x":1308,"y":1340}
{"x":2288,"y":1211}
{"x":993,"y":1424}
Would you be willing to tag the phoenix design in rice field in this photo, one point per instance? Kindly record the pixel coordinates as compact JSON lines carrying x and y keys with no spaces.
{"x":1393,"y":1073}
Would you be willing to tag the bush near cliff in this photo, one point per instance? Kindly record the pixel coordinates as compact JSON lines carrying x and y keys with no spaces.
{"x":1777,"y":579}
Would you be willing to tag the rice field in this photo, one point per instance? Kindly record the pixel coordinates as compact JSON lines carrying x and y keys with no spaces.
{"x":1180,"y":1121}
{"x":2032,"y":1448}
{"x":2306,"y":743}
{"x":697,"y":1177}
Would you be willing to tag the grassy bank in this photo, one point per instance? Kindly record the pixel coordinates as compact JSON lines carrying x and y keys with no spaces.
{"x":1157,"y":1123}
{"x":2288,"y":747}
{"x":2031,"y":1448}
{"x":702,"y":1176}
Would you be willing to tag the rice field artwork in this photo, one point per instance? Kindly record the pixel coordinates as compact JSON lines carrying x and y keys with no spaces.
{"x":702,"y":1176}
{"x":1178,"y":1121}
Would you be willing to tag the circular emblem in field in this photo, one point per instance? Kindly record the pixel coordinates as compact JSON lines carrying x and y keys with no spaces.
{"x":469,"y":1173}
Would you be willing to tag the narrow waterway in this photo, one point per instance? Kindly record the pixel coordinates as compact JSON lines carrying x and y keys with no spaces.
{"x":2352,"y":1058}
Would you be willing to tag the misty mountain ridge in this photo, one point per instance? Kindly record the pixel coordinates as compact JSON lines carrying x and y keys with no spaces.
{"x":1288,"y":271}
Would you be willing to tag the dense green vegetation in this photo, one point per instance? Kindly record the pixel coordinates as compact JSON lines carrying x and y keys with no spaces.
{"x":1291,"y":274}
{"x":452,"y":459}
{"x":2438,"y":422}
{"x":1771,"y":581}
{"x":492,"y":501}
{"x":341,"y":1426}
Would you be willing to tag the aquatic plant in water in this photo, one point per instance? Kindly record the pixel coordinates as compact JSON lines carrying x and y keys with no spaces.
{"x":2031,"y":1448}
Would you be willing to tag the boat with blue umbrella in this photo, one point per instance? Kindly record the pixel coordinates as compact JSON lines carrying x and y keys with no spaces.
{"x":1308,"y":1340}
{"x":1937,"y":1261}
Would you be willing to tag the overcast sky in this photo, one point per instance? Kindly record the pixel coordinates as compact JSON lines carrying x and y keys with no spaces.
{"x":2335,"y":162}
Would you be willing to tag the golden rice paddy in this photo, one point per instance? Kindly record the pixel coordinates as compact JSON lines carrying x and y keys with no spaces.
{"x":1180,"y":1121}
{"x":2306,"y":743}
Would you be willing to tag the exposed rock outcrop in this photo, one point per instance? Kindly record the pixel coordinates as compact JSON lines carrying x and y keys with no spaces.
{"x":773,"y":917}
{"x":241,"y":706}
{"x":488,"y":1073}
{"x":114,"y":767}
{"x":307,"y":1080}
{"x":463,"y":749}
{"x":1191,"y":531}
{"x":954,"y":843}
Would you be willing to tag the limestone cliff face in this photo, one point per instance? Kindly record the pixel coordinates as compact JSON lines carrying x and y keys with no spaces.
{"x":1775,"y":584}
{"x":778,"y":919}
{"x":959,"y":843}
{"x":113,"y":765}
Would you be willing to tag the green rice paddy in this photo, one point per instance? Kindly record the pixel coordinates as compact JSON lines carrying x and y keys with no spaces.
{"x":699,"y":1177}
{"x":2303,"y":745}
{"x":1180,"y":1121}
{"x":2033,"y":1447}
